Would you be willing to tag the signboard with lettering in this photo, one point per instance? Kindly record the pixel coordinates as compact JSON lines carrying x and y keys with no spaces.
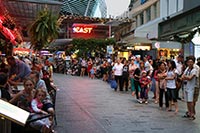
{"x":87,"y":31}
{"x":82,"y":28}
{"x":13,"y":113}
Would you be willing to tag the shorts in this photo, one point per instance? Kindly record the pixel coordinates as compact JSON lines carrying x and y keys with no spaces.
{"x":189,"y":96}
{"x":196,"y":94}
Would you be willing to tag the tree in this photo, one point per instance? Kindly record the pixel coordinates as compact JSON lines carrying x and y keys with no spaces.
{"x":43,"y":30}
{"x":85,"y":46}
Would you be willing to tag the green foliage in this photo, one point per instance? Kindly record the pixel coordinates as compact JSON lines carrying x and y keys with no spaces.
{"x":91,"y":45}
{"x":43,"y":30}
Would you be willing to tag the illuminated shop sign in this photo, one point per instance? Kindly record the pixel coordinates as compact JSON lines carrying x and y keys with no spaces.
{"x":82,"y":28}
{"x":7,"y":32}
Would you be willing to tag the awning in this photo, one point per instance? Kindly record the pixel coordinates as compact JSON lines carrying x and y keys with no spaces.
{"x":149,"y":30}
{"x":137,"y":41}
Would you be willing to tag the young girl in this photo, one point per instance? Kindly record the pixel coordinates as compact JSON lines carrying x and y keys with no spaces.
{"x":36,"y":107}
{"x":92,"y":72}
{"x":144,"y":82}
{"x":171,"y":85}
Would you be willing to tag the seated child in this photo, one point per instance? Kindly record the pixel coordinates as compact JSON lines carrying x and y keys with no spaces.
{"x":36,"y":107}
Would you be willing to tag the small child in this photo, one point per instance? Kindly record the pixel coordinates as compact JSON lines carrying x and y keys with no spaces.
{"x":36,"y":107}
{"x":150,"y":83}
{"x":144,"y":83}
{"x":92,"y":72}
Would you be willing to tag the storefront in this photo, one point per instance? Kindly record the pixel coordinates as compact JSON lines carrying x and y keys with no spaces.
{"x":137,"y":46}
{"x":167,"y":49}
{"x":182,"y":28}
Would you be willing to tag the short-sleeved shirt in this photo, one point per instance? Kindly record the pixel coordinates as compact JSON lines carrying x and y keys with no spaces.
{"x":125,"y":70}
{"x":171,"y":84}
{"x":191,"y":84}
{"x":21,"y":70}
{"x":118,"y":69}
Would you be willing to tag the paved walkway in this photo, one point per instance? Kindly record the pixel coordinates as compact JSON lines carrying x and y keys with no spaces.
{"x":90,"y":106}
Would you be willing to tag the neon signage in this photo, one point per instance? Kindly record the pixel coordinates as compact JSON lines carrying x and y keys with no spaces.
{"x":7,"y":32}
{"x":80,"y":29}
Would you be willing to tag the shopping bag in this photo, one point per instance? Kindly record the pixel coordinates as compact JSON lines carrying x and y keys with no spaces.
{"x":113,"y":84}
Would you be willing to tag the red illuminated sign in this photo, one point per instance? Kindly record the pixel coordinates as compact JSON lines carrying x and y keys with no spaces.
{"x":82,"y":29}
{"x":6,"y":32}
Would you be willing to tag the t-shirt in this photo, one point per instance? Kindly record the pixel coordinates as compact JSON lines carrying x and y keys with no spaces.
{"x":136,"y":74}
{"x":125,"y":70}
{"x":147,"y":66}
{"x":132,"y":68}
{"x":118,"y":69}
{"x":190,"y":83}
{"x":171,"y":84}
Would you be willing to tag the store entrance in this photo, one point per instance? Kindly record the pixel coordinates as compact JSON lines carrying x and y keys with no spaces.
{"x":142,"y":53}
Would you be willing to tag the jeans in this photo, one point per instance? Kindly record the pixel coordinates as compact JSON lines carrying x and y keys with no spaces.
{"x":162,"y":91}
{"x":144,"y":93}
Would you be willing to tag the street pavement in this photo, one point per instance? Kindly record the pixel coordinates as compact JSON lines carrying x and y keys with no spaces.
{"x":84,"y":105}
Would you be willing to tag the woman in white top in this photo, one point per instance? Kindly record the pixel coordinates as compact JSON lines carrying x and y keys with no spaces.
{"x":118,"y":69}
{"x":171,"y":85}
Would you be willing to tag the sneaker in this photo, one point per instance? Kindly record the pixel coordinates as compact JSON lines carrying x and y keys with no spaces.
{"x":146,"y":102}
{"x":139,"y":101}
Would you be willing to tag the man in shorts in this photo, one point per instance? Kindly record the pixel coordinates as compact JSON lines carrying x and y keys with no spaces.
{"x":189,"y":77}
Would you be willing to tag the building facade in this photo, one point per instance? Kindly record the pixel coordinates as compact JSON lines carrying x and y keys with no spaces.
{"x":84,"y":7}
{"x":148,"y":14}
{"x":183,"y":27}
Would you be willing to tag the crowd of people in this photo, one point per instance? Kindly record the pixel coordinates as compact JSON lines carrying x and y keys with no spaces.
{"x":36,"y":77}
{"x":165,"y":78}
{"x":139,"y":74}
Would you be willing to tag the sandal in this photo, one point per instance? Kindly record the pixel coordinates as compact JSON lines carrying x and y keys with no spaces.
{"x":186,"y":115}
{"x":192,"y":118}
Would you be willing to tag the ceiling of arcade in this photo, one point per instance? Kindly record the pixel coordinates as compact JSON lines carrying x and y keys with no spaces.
{"x":21,"y":13}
